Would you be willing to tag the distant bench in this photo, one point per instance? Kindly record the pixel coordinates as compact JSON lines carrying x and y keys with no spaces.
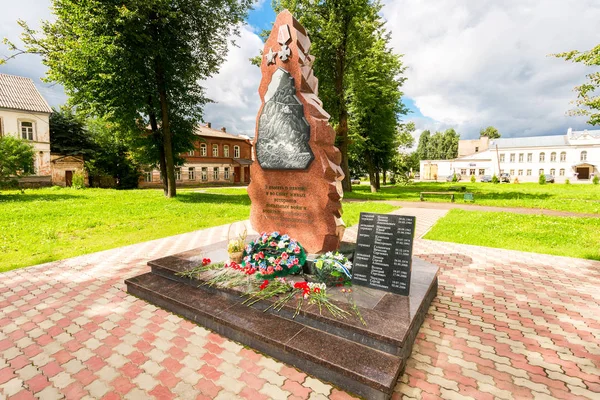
{"x":451,"y":194}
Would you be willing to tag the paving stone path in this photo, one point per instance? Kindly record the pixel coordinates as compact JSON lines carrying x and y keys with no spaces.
{"x":505,"y":324}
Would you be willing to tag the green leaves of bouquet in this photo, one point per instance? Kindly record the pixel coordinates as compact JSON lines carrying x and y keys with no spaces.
{"x":333,"y":269}
{"x":274,"y":255}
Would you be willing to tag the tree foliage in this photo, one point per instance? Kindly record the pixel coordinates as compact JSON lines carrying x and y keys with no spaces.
{"x":359,"y":79}
{"x":68,"y":134}
{"x":490,"y":132}
{"x":16,"y":160}
{"x":340,"y":31}
{"x":440,"y":146}
{"x":138,"y":63}
{"x":588,"y":94}
{"x":375,"y":104}
{"x":112,"y":157}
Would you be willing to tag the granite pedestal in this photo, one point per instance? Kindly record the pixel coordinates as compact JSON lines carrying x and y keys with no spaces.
{"x":362,"y":359}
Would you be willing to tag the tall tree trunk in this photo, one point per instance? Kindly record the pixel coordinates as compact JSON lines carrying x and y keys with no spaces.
{"x":372,"y":174}
{"x":166,"y":131}
{"x":377,"y":184}
{"x":342,"y":127}
{"x":342,"y":132}
{"x":384,"y":176}
{"x":158,"y":138}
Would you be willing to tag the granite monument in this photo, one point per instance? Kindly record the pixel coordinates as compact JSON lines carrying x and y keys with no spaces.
{"x":296,"y":180}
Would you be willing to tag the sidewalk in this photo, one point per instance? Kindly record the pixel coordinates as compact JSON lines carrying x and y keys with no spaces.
{"x":475,"y":207}
{"x":505,"y":325}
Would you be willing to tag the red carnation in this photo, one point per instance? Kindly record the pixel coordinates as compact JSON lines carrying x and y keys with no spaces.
{"x":264,"y":284}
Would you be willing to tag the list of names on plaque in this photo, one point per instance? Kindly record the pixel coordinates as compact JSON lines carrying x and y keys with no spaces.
{"x":383,"y":255}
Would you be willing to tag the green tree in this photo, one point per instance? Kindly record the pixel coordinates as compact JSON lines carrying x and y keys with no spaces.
{"x":449,"y":145}
{"x":68,"y":135}
{"x":113,"y":157}
{"x":375,"y":105}
{"x":138,"y":63}
{"x":16,"y":160}
{"x":490,"y":132}
{"x":423,"y":147}
{"x":588,"y":95}
{"x":339,"y":31}
{"x":439,"y":146}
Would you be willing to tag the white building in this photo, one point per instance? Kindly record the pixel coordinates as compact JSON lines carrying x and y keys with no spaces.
{"x":574,"y":156}
{"x":25,"y":114}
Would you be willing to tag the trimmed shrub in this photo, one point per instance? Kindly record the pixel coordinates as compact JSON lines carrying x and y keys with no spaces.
{"x":454,"y":178}
{"x":473,"y":179}
{"x":567,"y":181}
{"x":596,"y":180}
{"x":495,"y":179}
{"x":542,"y":179}
{"x":78,"y":180}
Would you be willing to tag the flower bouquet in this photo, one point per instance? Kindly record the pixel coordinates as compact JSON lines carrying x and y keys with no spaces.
{"x":274,"y":255}
{"x":332,"y":269}
{"x":235,"y":247}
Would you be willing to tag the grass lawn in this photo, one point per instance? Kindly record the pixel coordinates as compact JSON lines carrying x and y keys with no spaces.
{"x":562,"y":236}
{"x":52,"y":224}
{"x":583,"y":198}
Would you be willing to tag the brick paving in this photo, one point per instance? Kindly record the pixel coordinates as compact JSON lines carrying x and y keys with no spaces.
{"x":505,"y":324}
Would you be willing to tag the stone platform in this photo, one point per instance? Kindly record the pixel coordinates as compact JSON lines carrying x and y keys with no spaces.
{"x":362,"y":359}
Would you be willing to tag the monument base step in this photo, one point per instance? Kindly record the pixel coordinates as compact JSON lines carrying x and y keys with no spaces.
{"x":365,"y":360}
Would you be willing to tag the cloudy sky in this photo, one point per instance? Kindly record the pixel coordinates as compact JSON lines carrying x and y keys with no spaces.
{"x":470,"y":63}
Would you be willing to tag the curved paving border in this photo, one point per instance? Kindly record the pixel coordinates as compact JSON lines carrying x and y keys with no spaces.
{"x":505,"y":324}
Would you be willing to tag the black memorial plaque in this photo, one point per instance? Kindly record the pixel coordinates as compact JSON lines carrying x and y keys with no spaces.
{"x":383,"y":257}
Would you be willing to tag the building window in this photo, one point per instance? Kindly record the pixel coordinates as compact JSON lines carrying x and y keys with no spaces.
{"x":512,"y":157}
{"x":501,"y":157}
{"x":583,"y":156}
{"x":27,"y":130}
{"x":521,"y":157}
{"x":191,"y":153}
{"x":541,"y":172}
{"x":226,"y":176}
{"x":226,"y":150}
{"x":148,"y":176}
{"x":501,"y":171}
{"x":542,"y":157}
{"x":528,"y":172}
{"x":216,"y":173}
{"x":552,"y":171}
{"x":215,"y":152}
{"x":177,"y":174}
{"x":481,"y":171}
{"x":204,"y":173}
{"x":476,"y":149}
{"x":192,"y":173}
{"x":512,"y":171}
{"x":203,"y":149}
{"x":562,"y":172}
{"x":563,"y":156}
{"x":553,"y":157}
{"x":520,"y":172}
{"x":530,"y":157}
{"x":236,"y":151}
{"x":463,"y":171}
{"x":472,"y":171}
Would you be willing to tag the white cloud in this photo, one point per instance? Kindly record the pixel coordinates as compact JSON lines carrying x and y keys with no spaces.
{"x":235,"y":88}
{"x":479,"y":63}
{"x":32,"y":11}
